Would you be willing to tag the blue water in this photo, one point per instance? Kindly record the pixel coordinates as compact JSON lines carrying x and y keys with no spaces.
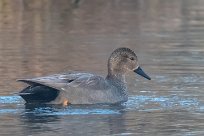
{"x":150,"y":115}
{"x":134,"y":103}
{"x":42,"y":37}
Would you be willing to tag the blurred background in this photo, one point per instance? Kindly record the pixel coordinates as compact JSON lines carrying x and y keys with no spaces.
{"x":42,"y":37}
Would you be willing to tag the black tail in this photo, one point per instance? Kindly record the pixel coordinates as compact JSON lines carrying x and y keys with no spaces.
{"x":39,"y":94}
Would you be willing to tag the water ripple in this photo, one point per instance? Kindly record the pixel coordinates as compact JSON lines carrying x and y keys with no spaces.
{"x":135,"y":103}
{"x":78,"y":112}
{"x":10,"y":99}
{"x":162,"y":102}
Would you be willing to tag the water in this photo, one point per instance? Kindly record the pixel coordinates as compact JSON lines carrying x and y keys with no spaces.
{"x":44,"y":37}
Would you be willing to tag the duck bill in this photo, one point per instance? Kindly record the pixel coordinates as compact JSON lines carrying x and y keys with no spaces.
{"x":140,"y":72}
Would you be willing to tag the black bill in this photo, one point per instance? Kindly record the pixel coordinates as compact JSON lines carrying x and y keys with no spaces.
{"x":140,"y":72}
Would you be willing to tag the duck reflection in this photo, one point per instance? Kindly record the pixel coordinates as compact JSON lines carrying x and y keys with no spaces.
{"x":74,"y":119}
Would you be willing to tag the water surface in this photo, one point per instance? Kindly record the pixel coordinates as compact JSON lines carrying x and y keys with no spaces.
{"x":44,"y":37}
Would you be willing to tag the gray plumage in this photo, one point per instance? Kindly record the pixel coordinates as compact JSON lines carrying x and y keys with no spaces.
{"x":84,"y":88}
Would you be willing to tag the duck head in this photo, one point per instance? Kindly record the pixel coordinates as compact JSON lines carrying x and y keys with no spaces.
{"x":124,"y":60}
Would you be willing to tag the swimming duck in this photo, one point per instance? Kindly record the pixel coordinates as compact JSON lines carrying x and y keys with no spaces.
{"x":85,"y":88}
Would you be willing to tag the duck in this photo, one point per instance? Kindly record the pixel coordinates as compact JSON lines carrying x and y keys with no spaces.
{"x":75,"y":87}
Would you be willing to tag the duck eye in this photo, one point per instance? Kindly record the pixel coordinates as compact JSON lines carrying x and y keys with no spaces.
{"x":131,"y":58}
